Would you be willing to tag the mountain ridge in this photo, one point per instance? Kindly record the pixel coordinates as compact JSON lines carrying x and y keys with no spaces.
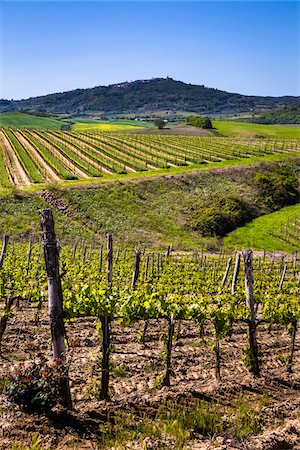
{"x":149,"y":95}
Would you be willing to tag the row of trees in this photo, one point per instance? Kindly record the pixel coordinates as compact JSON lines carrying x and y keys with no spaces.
{"x":198,"y":121}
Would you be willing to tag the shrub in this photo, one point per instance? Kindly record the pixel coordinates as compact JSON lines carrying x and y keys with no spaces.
{"x":223,"y":214}
{"x":277,"y":188}
{"x":35,"y":388}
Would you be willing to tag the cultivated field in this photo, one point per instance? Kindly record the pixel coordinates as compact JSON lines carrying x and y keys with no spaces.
{"x":33,"y":157}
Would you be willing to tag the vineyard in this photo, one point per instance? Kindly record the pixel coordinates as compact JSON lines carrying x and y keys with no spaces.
{"x":35,"y":157}
{"x":289,"y":232}
{"x":171,"y":326}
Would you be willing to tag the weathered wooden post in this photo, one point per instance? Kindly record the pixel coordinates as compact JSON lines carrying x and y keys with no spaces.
{"x":55,"y":298}
{"x":282,"y":277}
{"x":171,"y":328}
{"x":249,"y":280}
{"x":146,"y":268}
{"x":109,"y":258}
{"x":168,"y":251}
{"x":227,"y":271}
{"x":4,"y":249}
{"x":29,"y":253}
{"x":235,"y":273}
{"x":4,"y":319}
{"x":100,"y":258}
{"x":105,"y":327}
{"x":136,"y":270}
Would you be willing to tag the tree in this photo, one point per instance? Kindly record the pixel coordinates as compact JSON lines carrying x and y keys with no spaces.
{"x":207,"y":123}
{"x":159,"y":123}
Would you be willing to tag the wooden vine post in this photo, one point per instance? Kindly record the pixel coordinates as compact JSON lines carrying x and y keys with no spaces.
{"x":229,"y":262}
{"x":105,"y":327}
{"x":136,"y":271}
{"x":10,"y":300}
{"x":109,"y":258}
{"x":55,"y":299}
{"x":235,"y":273}
{"x":4,"y":249}
{"x":171,"y":329}
{"x":249,"y":280}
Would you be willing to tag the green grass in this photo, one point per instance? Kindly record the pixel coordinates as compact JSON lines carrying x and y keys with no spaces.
{"x":19,"y":215}
{"x":233,"y":128}
{"x":258,"y":233}
{"x":22,"y":120}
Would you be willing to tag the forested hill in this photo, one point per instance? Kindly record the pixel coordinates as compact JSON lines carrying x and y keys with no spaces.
{"x":290,"y":115}
{"x":157,"y":94}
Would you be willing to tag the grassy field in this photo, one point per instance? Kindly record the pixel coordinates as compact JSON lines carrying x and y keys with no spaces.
{"x":22,"y":120}
{"x":233,"y":128}
{"x":266,"y":232}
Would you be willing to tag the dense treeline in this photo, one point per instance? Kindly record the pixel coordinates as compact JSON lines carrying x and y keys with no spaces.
{"x":278,"y":116}
{"x":159,"y":94}
{"x":198,"y":121}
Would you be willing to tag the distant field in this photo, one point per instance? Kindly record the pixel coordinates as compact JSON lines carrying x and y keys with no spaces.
{"x":279,"y":231}
{"x":234,"y":129}
{"x":108,"y":125}
{"x":22,"y":120}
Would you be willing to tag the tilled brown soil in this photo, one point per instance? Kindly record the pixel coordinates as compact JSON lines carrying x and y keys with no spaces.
{"x":134,"y":387}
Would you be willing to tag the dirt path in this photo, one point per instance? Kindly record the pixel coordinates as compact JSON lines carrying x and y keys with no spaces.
{"x":20,"y":176}
{"x":49,"y":172}
{"x":69,"y":164}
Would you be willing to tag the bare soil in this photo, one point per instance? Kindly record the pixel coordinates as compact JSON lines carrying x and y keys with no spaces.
{"x":135,"y":388}
{"x":176,"y":130}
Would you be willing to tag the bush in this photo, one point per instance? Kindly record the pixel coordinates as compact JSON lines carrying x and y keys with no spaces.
{"x":277,"y":188}
{"x":223,"y":214}
{"x":37,"y":387}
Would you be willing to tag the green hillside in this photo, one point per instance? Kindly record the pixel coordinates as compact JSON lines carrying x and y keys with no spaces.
{"x":268,"y":232}
{"x":22,"y":120}
{"x":157,"y":94}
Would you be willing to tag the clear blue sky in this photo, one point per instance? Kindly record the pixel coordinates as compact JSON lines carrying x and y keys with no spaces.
{"x":246,"y":47}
